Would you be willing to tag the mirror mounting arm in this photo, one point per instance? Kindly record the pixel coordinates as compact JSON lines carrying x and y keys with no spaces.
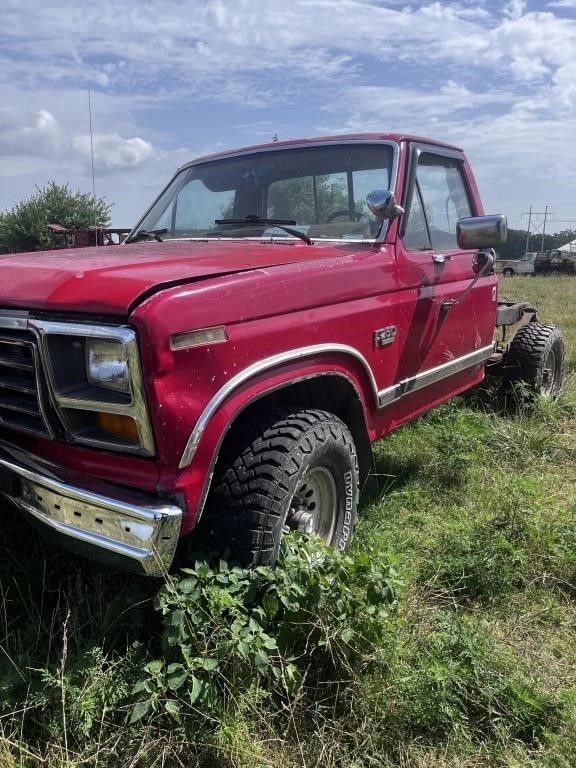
{"x":481,"y":264}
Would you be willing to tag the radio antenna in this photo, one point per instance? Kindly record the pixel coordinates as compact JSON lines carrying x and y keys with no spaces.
{"x":91,"y":144}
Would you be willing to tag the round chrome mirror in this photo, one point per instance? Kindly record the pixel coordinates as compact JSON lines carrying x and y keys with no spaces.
{"x":382,"y":204}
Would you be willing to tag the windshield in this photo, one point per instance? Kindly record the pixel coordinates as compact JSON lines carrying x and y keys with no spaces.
{"x":321,"y":189}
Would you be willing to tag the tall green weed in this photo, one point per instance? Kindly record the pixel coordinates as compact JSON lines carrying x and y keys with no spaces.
{"x":320,"y":616}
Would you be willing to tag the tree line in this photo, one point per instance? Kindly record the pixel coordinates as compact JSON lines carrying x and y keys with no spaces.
{"x":24,"y":227}
{"x":515,"y":245}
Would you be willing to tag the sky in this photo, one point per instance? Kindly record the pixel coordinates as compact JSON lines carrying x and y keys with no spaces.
{"x":174,"y":79}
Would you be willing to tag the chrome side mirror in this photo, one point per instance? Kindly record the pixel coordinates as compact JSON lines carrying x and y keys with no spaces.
{"x":382,"y":204}
{"x":481,"y":232}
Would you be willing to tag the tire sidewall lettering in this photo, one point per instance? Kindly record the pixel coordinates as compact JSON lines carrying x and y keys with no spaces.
{"x":349,"y":510}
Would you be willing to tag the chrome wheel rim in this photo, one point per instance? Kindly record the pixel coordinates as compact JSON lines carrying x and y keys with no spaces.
{"x":313,"y":507}
{"x":549,"y":374}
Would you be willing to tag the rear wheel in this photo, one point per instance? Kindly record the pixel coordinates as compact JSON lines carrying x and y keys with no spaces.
{"x":536,"y":357}
{"x":281,"y":467}
{"x":508,"y":272}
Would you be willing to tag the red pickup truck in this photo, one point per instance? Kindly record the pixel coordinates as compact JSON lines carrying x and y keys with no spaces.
{"x":226,"y":369}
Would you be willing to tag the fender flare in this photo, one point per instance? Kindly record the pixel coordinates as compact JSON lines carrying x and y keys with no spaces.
{"x":195,"y":477}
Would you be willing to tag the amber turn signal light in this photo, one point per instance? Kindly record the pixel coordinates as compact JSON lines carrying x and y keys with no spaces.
{"x":122,"y":427}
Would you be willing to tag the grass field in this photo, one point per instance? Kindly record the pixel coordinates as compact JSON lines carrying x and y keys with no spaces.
{"x":473,"y":664}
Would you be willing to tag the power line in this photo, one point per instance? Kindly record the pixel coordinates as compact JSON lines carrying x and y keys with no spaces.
{"x":537,"y":221}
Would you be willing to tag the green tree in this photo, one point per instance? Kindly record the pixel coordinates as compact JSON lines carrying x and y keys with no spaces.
{"x":294,"y":199}
{"x":561,"y":238}
{"x":514,"y":246}
{"x":25,"y":226}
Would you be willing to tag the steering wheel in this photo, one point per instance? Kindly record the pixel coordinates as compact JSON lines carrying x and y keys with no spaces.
{"x":350,"y":213}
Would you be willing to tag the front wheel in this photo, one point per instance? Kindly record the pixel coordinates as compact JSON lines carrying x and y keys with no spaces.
{"x":282,"y":467}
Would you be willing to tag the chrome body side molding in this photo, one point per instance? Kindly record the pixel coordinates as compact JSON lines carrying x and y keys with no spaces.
{"x":382,"y":398}
{"x":432,"y":376}
{"x":254,"y":370}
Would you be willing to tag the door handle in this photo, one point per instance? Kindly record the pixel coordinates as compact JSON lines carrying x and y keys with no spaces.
{"x":440,"y":258}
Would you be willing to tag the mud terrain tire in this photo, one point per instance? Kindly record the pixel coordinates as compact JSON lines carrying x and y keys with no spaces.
{"x":536,"y":357}
{"x":274,"y":466}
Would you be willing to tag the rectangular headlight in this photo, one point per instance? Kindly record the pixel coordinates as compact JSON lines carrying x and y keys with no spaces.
{"x":107,"y":364}
{"x":97,"y":386}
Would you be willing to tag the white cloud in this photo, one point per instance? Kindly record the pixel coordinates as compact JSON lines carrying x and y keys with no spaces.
{"x":375,"y":108}
{"x":28,"y":133}
{"x":220,"y":48}
{"x":535,"y":45}
{"x":204,"y":39}
{"x":112,"y":152}
{"x":515,"y":9}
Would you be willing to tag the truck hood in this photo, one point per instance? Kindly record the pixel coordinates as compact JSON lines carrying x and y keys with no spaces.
{"x":111,"y":279}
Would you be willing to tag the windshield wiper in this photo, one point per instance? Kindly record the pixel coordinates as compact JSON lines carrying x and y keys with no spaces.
{"x":280,"y":223}
{"x":147,"y":234}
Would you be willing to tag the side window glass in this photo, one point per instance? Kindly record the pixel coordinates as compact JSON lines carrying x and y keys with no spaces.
{"x":416,"y":237}
{"x":444,"y":197}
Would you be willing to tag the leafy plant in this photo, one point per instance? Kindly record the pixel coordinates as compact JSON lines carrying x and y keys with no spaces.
{"x":318,"y":614}
{"x":90,"y":688}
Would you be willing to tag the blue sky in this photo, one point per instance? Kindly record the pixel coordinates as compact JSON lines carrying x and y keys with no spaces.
{"x":173,"y":79}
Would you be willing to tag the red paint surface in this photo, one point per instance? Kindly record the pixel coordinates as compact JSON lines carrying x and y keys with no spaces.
{"x":109,"y":280}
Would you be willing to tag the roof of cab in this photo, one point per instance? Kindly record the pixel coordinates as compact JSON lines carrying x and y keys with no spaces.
{"x":338,"y":138}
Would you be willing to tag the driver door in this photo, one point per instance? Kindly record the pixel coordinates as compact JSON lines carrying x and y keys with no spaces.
{"x":444,"y":325}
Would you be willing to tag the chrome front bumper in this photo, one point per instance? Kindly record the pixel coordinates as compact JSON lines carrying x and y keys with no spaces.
{"x":127,"y":528}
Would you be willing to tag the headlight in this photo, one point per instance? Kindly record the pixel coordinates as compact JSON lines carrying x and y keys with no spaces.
{"x":107,"y":364}
{"x":96,"y":384}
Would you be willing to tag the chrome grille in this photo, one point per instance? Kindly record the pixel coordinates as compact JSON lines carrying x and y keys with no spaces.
{"x":20,"y":406}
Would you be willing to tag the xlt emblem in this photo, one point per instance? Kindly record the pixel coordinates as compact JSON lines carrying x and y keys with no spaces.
{"x":384,"y":336}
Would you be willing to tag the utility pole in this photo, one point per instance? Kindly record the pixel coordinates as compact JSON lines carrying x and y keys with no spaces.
{"x":544,"y":229}
{"x":528,"y":231}
{"x":536,"y":220}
